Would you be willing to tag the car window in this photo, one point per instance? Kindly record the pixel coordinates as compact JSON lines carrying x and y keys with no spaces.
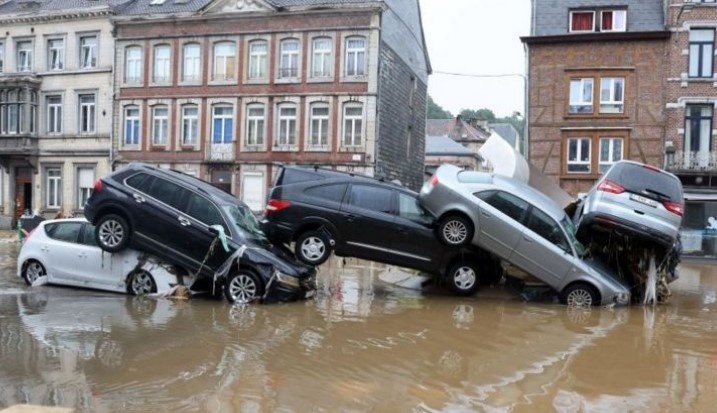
{"x":506,"y":203}
{"x":540,"y":223}
{"x":293,"y":176}
{"x":474,"y":177}
{"x":409,"y":208}
{"x":167,"y":192}
{"x":333,"y":192}
{"x":64,"y":231}
{"x":88,"y":235}
{"x":646,"y":181}
{"x":203,"y":210}
{"x":370,"y":197}
{"x":140,"y":182}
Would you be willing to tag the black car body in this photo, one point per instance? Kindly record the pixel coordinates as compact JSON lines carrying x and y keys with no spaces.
{"x":170,"y":214}
{"x":322,"y":210}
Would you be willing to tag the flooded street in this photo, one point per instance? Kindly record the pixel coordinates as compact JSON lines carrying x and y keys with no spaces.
{"x":361,"y":345}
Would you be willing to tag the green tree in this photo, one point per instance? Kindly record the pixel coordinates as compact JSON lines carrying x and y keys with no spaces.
{"x":435,"y":111}
{"x":476,"y":115}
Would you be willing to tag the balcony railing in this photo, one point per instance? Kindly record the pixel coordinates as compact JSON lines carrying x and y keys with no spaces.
{"x":222,"y":152}
{"x":696,"y":161}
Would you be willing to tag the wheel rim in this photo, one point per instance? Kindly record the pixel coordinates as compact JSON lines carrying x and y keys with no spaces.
{"x":142,"y":283}
{"x":111,"y":233}
{"x":313,"y":248}
{"x":34,"y":271}
{"x":455,"y":232}
{"x":580,"y":298}
{"x":464,"y":278}
{"x":242,"y":289}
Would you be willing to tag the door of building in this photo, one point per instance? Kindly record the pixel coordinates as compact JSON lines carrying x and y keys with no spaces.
{"x":23,"y":191}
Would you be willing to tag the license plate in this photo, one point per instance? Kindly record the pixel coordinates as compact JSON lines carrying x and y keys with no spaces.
{"x":643,"y":200}
{"x":310,"y":294}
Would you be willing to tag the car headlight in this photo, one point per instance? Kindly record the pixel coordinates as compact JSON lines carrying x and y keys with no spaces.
{"x":286,"y":279}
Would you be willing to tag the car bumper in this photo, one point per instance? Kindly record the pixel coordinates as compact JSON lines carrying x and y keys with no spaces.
{"x":599,"y":220}
{"x":281,"y":292}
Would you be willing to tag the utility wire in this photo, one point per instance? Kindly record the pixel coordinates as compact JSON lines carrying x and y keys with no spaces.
{"x":476,"y":75}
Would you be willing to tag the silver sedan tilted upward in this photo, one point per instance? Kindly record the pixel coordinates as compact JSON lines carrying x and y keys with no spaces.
{"x":520,"y":225}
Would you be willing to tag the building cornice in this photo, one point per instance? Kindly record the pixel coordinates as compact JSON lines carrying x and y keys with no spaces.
{"x":68,"y":15}
{"x":596,"y":37}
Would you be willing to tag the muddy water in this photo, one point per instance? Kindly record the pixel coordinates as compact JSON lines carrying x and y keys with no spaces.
{"x":360,"y":346}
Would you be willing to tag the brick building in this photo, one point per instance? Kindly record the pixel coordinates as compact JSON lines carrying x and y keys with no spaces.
{"x":595,"y":85}
{"x":55,"y":103}
{"x":227,"y":90}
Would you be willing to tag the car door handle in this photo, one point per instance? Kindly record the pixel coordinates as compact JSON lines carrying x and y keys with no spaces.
{"x":350,"y":217}
{"x":139,"y":198}
{"x":82,"y":255}
{"x":44,"y":249}
{"x":184,"y":221}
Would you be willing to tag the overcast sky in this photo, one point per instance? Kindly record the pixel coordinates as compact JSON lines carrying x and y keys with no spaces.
{"x":477,"y":37}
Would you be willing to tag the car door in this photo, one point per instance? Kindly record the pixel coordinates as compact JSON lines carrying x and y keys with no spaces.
{"x":501,"y":217}
{"x":544,"y":250}
{"x":200,"y":213}
{"x":414,"y":241}
{"x":99,"y":268}
{"x":65,"y":258}
{"x":367,"y":223}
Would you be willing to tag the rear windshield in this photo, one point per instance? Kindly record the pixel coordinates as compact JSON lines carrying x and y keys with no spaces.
{"x":645,"y":181}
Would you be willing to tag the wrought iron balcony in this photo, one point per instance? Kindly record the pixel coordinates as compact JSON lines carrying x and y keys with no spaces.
{"x":692,"y":161}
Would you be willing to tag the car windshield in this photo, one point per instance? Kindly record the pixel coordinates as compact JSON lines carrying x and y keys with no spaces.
{"x":245,"y":222}
{"x":570,"y":229}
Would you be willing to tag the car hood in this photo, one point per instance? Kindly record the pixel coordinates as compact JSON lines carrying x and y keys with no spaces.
{"x":277,"y":256}
{"x":600,"y":269}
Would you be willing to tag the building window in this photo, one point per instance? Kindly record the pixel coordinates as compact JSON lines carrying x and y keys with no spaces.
{"x":582,"y":21}
{"x":85,"y":184}
{"x":355,"y":56}
{"x":579,"y":155}
{"x":612,"y":94}
{"x":53,"y":184}
{"x":701,"y":52}
{"x":698,"y":136}
{"x":190,"y":124}
{"x":133,"y":64}
{"x":54,"y":114}
{"x":55,"y":54}
{"x":87,"y":113}
{"x":255,"y":125}
{"x":319,"y":125}
{"x":24,"y":56}
{"x":131,"y":125}
{"x":613,"y":20}
{"x":88,"y":52}
{"x":581,"y":95}
{"x":257,"y":59}
{"x":192,"y":59}
{"x":222,"y":124}
{"x":289,"y":60}
{"x":610,"y":152}
{"x":2,"y":57}
{"x":159,"y":125}
{"x":161,"y":63}
{"x":287,"y":125}
{"x":224,"y":56}
{"x":321,"y":57}
{"x":353,"y":124}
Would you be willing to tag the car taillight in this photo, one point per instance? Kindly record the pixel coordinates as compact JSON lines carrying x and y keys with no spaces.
{"x":610,"y":186}
{"x":98,"y":185}
{"x":276,"y":205}
{"x":434,"y":180}
{"x":675,"y":207}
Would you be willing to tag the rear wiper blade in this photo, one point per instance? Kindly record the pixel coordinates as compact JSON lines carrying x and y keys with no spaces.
{"x":659,"y":194}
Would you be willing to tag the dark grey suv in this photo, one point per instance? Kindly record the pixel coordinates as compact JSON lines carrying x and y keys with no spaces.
{"x":171,"y":215}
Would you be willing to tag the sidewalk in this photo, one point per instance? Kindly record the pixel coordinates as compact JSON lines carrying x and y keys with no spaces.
{"x":7,"y":235}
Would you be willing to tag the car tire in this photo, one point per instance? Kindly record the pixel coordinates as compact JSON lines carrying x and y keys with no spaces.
{"x":579,"y":295}
{"x":141,"y":283}
{"x":243,"y":287}
{"x":462,"y":278}
{"x":112,"y":233}
{"x":313,"y":248}
{"x":455,"y":230}
{"x":32,"y":271}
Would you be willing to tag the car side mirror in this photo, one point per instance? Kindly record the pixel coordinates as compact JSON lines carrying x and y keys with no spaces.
{"x":213,"y":230}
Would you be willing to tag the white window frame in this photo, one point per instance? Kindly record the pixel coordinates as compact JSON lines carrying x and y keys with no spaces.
{"x":289,"y":60}
{"x":89,"y":108}
{"x":324,"y":121}
{"x":610,"y":142}
{"x":223,"y":118}
{"x":284,"y":123}
{"x":611,"y":89}
{"x":83,"y":192}
{"x":321,"y":57}
{"x":589,"y":103}
{"x":570,"y":22}
{"x":258,"y":60}
{"x":55,"y":54}
{"x":222,"y":60}
{"x":613,"y":28}
{"x":56,"y":181}
{"x":160,"y":125}
{"x":353,"y":119}
{"x":191,"y":65}
{"x":128,"y":132}
{"x":578,"y":154}
{"x":190,"y":124}
{"x":259,"y":125}
{"x":88,"y":52}
{"x":54,"y":112}
{"x":24,"y":54}
{"x":700,"y":52}
{"x":354,"y":71}
{"x":2,"y":56}
{"x":162,"y":70}
{"x":133,"y":65}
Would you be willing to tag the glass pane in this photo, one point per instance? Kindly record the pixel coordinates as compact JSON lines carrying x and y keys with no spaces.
{"x":707,"y":60}
{"x":694,"y":69}
{"x":371,"y":198}
{"x":701,"y":35}
{"x":587,"y":90}
{"x":572,"y":150}
{"x":584,"y":150}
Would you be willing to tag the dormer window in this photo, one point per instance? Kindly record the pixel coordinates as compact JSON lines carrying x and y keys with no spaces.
{"x":584,"y":21}
{"x":613,"y":20}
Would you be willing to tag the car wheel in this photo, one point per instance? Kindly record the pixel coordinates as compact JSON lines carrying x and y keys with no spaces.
{"x":33,"y":271}
{"x":141,"y":283}
{"x":242,"y":287}
{"x":455,"y":230}
{"x":112,"y":233}
{"x":313,"y":248}
{"x":462,"y":278}
{"x":579,"y":295}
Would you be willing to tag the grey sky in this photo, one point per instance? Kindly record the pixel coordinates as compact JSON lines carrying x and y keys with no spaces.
{"x":476,"y":37}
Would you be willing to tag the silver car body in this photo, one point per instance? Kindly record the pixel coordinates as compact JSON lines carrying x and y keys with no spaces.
{"x":556,"y":262}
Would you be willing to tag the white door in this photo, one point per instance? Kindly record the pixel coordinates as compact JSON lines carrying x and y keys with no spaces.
{"x":99,"y":267}
{"x":252,"y":190}
{"x":63,"y":254}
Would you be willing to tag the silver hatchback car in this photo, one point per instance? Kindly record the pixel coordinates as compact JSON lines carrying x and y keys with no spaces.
{"x":521,"y":226}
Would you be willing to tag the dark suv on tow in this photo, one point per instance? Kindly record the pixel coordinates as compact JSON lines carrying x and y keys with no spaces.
{"x":170,"y":214}
{"x":324,"y":211}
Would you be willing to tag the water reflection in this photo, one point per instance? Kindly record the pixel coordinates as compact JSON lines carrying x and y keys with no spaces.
{"x":361,"y":345}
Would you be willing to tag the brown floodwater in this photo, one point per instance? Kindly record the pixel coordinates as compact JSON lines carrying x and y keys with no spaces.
{"x":362,"y":345}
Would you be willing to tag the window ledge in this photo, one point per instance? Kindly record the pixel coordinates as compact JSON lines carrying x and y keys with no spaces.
{"x":597,"y":116}
{"x":318,"y":149}
{"x":257,"y":81}
{"x":285,"y":148}
{"x":227,"y":82}
{"x":284,"y":80}
{"x":158,"y":148}
{"x":189,"y":83}
{"x":161,"y":84}
{"x":132,"y":85}
{"x":253,"y":148}
{"x":133,"y":148}
{"x":580,"y":176}
{"x":188,"y":148}
{"x":329,"y":79}
{"x":354,"y":79}
{"x":347,"y":148}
